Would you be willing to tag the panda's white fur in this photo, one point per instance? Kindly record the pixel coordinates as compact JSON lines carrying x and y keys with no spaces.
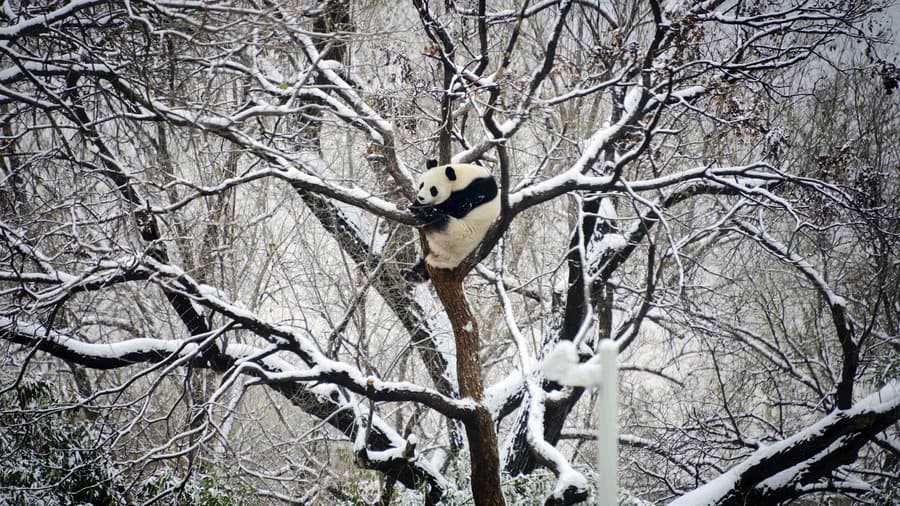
{"x":465,"y":207}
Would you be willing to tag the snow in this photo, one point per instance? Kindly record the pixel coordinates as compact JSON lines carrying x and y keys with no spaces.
{"x":326,"y":367}
{"x":45,"y":20}
{"x":632,"y":99}
{"x":613,"y":242}
{"x":385,"y":455}
{"x":344,"y":194}
{"x":288,"y":165}
{"x":270,"y":366}
{"x":347,"y":91}
{"x":330,"y":65}
{"x":576,"y":176}
{"x":607,"y":210}
{"x":562,"y":366}
{"x":497,"y":394}
{"x":708,"y":494}
{"x":244,"y":352}
{"x":99,"y":350}
{"x":884,"y":400}
{"x":888,"y":397}
{"x":571,"y":177}
{"x":360,"y":220}
{"x":271,"y":71}
{"x":393,"y":453}
{"x":782,"y":250}
{"x":689,"y":92}
{"x":19,"y":71}
{"x":597,"y":250}
{"x":567,"y":476}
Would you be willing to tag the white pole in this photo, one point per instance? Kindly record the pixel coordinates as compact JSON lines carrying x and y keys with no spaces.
{"x":607,"y":432}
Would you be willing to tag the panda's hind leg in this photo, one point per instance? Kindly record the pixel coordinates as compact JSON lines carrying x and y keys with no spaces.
{"x":417,"y":273}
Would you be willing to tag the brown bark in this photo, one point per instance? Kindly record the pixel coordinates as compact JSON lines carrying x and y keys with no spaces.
{"x":480,"y":432}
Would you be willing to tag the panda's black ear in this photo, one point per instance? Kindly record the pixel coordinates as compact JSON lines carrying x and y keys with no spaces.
{"x":430,"y":164}
{"x":451,"y":174}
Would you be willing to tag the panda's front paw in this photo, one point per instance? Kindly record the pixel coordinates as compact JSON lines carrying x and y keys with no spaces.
{"x":416,"y":210}
{"x":425,"y":214}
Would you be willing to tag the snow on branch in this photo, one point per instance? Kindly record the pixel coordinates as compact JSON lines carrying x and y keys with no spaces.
{"x":570,"y":484}
{"x":35,"y":24}
{"x":373,"y":388}
{"x":297,"y":169}
{"x":294,"y":169}
{"x":783,"y":252}
{"x":174,"y":279}
{"x":291,"y":381}
{"x":740,"y":177}
{"x":96,"y":355}
{"x":759,"y":476}
{"x":323,"y":368}
{"x":63,"y":285}
{"x":836,"y":304}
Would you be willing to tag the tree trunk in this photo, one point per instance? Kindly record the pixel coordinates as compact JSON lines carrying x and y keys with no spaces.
{"x":479,"y":429}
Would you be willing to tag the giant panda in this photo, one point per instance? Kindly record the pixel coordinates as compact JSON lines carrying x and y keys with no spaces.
{"x":456,"y":203}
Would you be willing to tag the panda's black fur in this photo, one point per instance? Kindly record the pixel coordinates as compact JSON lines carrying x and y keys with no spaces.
{"x":459,"y":204}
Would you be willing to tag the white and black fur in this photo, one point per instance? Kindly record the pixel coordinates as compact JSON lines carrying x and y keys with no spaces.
{"x":456,"y":203}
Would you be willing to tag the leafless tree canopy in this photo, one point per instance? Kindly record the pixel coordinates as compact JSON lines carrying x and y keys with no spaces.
{"x":203,"y":221}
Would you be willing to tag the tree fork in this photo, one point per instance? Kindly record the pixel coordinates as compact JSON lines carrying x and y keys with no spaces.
{"x":480,"y":432}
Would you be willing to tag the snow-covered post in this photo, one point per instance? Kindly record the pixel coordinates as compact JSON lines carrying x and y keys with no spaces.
{"x":607,"y":431}
{"x":562,"y":366}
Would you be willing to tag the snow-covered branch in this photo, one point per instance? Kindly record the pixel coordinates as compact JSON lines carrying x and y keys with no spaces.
{"x":235,"y":176}
{"x":836,"y":304}
{"x":284,"y":377}
{"x":140,"y":350}
{"x":571,"y":485}
{"x":781,"y":470}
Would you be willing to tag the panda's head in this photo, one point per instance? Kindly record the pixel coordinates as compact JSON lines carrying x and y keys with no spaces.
{"x":438,"y":182}
{"x":435,"y":184}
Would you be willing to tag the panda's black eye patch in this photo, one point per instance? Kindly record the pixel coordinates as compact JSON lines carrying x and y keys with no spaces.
{"x":434,"y":191}
{"x":421,"y":185}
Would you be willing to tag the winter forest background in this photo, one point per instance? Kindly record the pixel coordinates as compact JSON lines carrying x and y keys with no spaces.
{"x":203,"y":220}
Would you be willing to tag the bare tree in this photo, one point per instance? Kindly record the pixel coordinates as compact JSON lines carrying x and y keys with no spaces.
{"x":205,"y":203}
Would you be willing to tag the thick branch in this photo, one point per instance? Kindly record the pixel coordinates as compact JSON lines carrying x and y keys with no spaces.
{"x":480,"y":432}
{"x":841,"y":432}
{"x":328,"y":407}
